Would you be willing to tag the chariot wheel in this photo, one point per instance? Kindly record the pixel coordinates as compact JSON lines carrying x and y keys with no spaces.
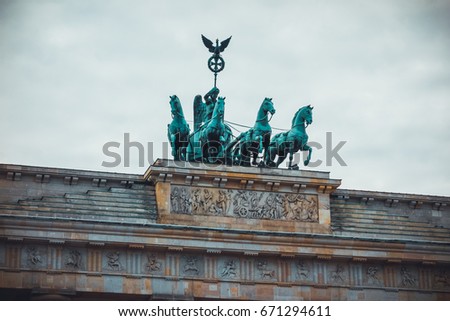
{"x":243,"y":212}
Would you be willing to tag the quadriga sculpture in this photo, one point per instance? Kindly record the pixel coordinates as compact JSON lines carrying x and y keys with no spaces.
{"x":207,"y":143}
{"x":178,"y":130}
{"x":254,"y":141}
{"x":291,"y":141}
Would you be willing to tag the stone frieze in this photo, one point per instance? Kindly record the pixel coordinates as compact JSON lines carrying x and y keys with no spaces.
{"x":238,"y":268}
{"x":244,"y":204}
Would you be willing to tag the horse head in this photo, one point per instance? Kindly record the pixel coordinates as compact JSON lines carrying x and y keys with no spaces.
{"x":175,"y":106}
{"x":219,"y":109}
{"x":267,"y":106}
{"x":304,"y":114}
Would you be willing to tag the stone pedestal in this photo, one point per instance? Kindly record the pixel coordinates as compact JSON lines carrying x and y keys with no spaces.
{"x":244,"y":198}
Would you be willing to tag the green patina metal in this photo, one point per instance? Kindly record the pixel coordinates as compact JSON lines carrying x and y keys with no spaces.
{"x":291,"y":141}
{"x":178,"y":130}
{"x":216,"y":63}
{"x":211,"y":140}
{"x":203,"y":110}
{"x":208,"y":143}
{"x":256,"y":140}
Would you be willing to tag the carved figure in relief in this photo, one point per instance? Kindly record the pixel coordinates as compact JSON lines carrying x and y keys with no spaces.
{"x":202,"y":201}
{"x":372,"y":277}
{"x":220,"y":207}
{"x":442,"y":279}
{"x":34,"y":257}
{"x":244,"y":203}
{"x":338,"y":274}
{"x":293,"y":206}
{"x":302,"y":270}
{"x":184,"y":201}
{"x":241,"y":203}
{"x":247,"y":204}
{"x":206,"y":201}
{"x":113,"y":261}
{"x":191,"y":265}
{"x":196,"y":200}
{"x":312,"y":213}
{"x":180,"y":200}
{"x":407,"y":278}
{"x":229,"y":270}
{"x":255,"y":199}
{"x":298,"y":207}
{"x":265,"y":273}
{"x":74,"y":259}
{"x":153,"y":265}
{"x":174,"y":200}
{"x":273,"y":206}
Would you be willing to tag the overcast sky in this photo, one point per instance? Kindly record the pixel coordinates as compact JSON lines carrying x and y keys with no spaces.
{"x":75,"y":75}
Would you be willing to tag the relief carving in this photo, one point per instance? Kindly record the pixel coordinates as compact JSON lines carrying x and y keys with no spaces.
{"x":244,"y":204}
{"x":229,"y":270}
{"x":372,"y":275}
{"x":113,"y":261}
{"x":223,"y":202}
{"x":302,"y":271}
{"x":73,"y":259}
{"x":298,"y":207}
{"x":191,"y":266}
{"x":264,"y":271}
{"x":337,"y":275}
{"x":34,"y":256}
{"x":153,"y":265}
{"x":407,"y":278}
{"x":180,"y":200}
{"x":441,"y":279}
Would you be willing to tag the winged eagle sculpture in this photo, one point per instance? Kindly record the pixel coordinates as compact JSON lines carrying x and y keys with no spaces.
{"x":217,"y":49}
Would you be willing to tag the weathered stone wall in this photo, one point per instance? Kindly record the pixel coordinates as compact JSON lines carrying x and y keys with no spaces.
{"x":242,"y":198}
{"x":393,"y":216}
{"x":175,"y":273}
{"x":83,"y":235}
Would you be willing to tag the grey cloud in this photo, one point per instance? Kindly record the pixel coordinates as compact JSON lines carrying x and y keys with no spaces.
{"x":76,"y":75}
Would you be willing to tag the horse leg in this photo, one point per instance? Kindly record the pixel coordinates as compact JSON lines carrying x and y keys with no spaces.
{"x":280,"y":159}
{"x":169,"y":135}
{"x":255,"y":157}
{"x":173,"y":143}
{"x":291,"y":157}
{"x":309,"y":149}
{"x":182,"y":153}
{"x":262,"y":163}
{"x":237,"y":154}
{"x":266,"y":156}
{"x":189,"y":150}
{"x":205,"y":152}
{"x":183,"y":144}
{"x":214,"y":152}
{"x":259,"y":139}
{"x":269,"y":157}
{"x":245,"y":156}
{"x":259,"y":149}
